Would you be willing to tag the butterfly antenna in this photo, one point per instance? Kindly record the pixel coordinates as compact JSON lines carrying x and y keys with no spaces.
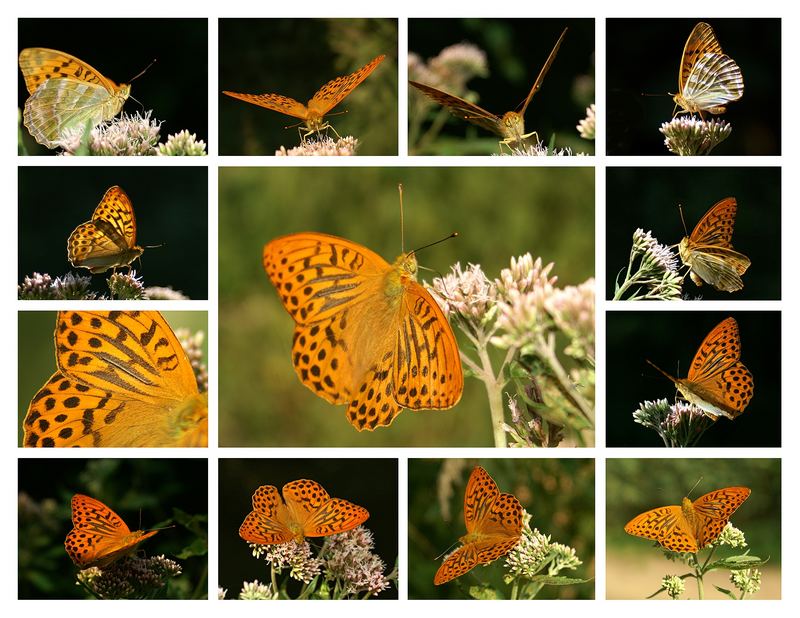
{"x":659,"y":369}
{"x":344,"y":111}
{"x":132,"y":98}
{"x":453,"y":235}
{"x":683,"y":221}
{"x":446,"y":551}
{"x":694,"y":486}
{"x":402,"y":223}
{"x":142,"y":72}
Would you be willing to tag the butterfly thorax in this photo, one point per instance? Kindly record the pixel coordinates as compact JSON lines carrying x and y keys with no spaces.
{"x":315,"y":121}
{"x":403,"y":269}
{"x":190,"y":421}
{"x":512,"y":126}
{"x":689,"y":514}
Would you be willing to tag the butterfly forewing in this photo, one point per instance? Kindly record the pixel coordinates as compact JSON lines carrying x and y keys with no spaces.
{"x":701,"y":41}
{"x":479,"y":496}
{"x":462,"y":109}
{"x":275,"y":102}
{"x":540,"y":78}
{"x":332,"y":93}
{"x":39,"y":64}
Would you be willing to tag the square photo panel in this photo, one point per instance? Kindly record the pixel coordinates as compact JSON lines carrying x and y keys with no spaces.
{"x":693,"y":529}
{"x":298,"y":529}
{"x":113,"y":528}
{"x":693,"y":378}
{"x":340,"y":327}
{"x":693,"y":86}
{"x":119,"y":379}
{"x":526,"y":529}
{"x":679,"y":233}
{"x":113,"y":233}
{"x":474,"y":86}
{"x":308,"y":87}
{"x":132,"y":87}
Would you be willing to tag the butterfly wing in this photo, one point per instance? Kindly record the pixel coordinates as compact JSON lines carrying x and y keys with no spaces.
{"x":667,"y":526}
{"x":461,"y":561}
{"x":123,"y":380}
{"x":716,"y":374}
{"x":714,"y":509}
{"x":716,"y":227}
{"x":462,"y":109}
{"x":275,"y":102}
{"x":332,"y":93}
{"x":266,"y":524}
{"x":715,"y":81}
{"x":109,"y":239}
{"x":701,"y":41}
{"x":540,"y":78}
{"x":99,"y":536}
{"x":318,"y":513}
{"x":39,"y":65}
{"x":427,"y":367}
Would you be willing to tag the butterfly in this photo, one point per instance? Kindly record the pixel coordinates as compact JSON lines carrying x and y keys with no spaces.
{"x":99,"y":536}
{"x":511,"y":126}
{"x":308,"y":512}
{"x":692,"y":525}
{"x":66,"y":94}
{"x":718,"y":382}
{"x":708,"y":79}
{"x":367,"y":334}
{"x":109,"y":239}
{"x":494,"y":525}
{"x":323,"y":101}
{"x":708,"y":251}
{"x":123,"y":379}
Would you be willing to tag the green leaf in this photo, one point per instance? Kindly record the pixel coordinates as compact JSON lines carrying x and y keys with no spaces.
{"x":726,"y":592}
{"x":199,"y":547}
{"x":558,"y":580}
{"x":484,"y":593}
{"x":737,"y":563}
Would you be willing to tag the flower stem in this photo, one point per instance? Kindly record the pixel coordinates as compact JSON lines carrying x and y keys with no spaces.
{"x":548,"y":351}
{"x":494,"y":391}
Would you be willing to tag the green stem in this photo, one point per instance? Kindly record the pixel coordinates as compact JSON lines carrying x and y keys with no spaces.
{"x":273,"y":576}
{"x":515,"y":590}
{"x":494,"y":391}
{"x":546,"y":349}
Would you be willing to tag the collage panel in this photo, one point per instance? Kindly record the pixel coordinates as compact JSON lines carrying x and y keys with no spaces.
{"x":527,"y":528}
{"x":300,"y":87}
{"x":692,"y":378}
{"x":707,"y":529}
{"x":472,"y":83}
{"x":693,"y":233}
{"x":89,"y":95}
{"x":308,"y":528}
{"x":113,"y":379}
{"x":325,"y":342}
{"x":112,"y":528}
{"x":114,"y":233}
{"x":693,"y":87}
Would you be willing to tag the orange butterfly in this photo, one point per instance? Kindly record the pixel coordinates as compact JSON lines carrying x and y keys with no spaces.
{"x":708,"y":251}
{"x":367,"y":334}
{"x":323,"y":101}
{"x":691,"y":526}
{"x":511,"y":126}
{"x":308,"y":512}
{"x":494,"y":525}
{"x":99,"y":536}
{"x":708,"y":79}
{"x":718,"y":382}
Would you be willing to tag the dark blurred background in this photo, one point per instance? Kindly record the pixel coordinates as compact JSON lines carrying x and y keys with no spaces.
{"x":643,"y":56}
{"x":558,"y":493}
{"x":516,"y":50}
{"x":171,"y":208}
{"x":499,"y":213}
{"x":648,"y":197}
{"x":145,"y":493}
{"x":371,"y":483}
{"x":294,"y":58}
{"x":37,"y":357}
{"x":670,"y":340}
{"x":634,"y":567}
{"x":175,"y":87}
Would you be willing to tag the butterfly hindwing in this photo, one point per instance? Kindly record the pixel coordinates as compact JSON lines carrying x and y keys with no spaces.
{"x":461,"y":561}
{"x":266,"y":524}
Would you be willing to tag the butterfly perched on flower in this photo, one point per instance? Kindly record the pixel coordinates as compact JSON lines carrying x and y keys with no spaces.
{"x":708,"y":79}
{"x":307,"y":510}
{"x":717,"y":382}
{"x":122,"y":380}
{"x":691,"y":526}
{"x":366,"y":334}
{"x":323,"y":101}
{"x":99,"y":536}
{"x":66,"y":94}
{"x":708,"y":250}
{"x":109,"y":239}
{"x":511,"y":125}
{"x":494,"y":527}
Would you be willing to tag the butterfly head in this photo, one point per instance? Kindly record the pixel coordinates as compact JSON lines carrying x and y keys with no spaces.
{"x":512,"y":126}
{"x":315,"y":122}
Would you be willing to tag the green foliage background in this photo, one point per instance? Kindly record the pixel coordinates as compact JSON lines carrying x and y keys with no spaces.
{"x":145,"y":493}
{"x":634,"y":486}
{"x":294,"y":58}
{"x":37,"y":361}
{"x":558,"y":493}
{"x":499,"y":213}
